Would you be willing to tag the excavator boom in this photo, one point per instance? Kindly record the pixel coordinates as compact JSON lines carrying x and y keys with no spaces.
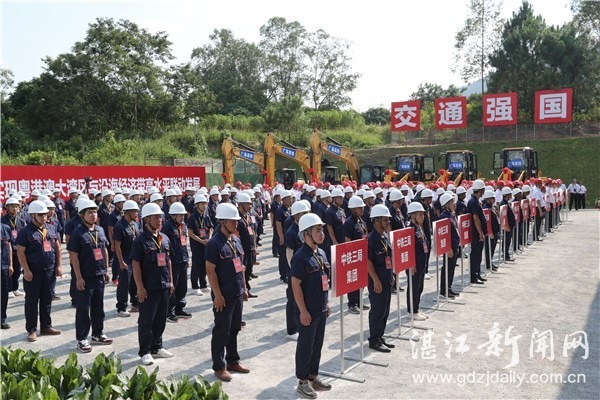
{"x":272,"y":148}
{"x":231,"y":150}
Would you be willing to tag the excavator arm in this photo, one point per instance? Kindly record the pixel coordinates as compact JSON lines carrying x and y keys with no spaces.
{"x":231,"y":150}
{"x":272,"y":148}
{"x":335,"y":149}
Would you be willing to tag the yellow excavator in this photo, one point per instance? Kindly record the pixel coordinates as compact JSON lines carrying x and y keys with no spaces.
{"x":276,"y":146}
{"x":232,"y":150}
{"x":414,"y":167}
{"x":460,"y":164}
{"x":328,"y":173}
{"x":517,"y":162}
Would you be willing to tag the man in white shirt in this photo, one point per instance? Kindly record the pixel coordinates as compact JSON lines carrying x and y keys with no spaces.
{"x":540,"y":204}
{"x":582,"y":190}
{"x":573,"y":191}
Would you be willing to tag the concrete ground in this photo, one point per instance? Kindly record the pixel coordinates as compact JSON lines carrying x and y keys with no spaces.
{"x":525,"y":311}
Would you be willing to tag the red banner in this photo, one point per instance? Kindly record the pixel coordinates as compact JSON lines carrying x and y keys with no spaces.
{"x":504,"y":218}
{"x":487,"y":213}
{"x":553,"y":106}
{"x":500,"y":109}
{"x":27,"y":178}
{"x":349,"y":267}
{"x":525,"y":208}
{"x":517,"y":211}
{"x":441,"y":236}
{"x":464,"y":229}
{"x":406,"y":116}
{"x":533,"y":207}
{"x":403,"y":249}
{"x":451,"y":113}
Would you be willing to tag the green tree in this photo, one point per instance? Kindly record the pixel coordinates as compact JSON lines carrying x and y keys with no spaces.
{"x":476,"y":39}
{"x":428,"y":92}
{"x":283,"y":45}
{"x":285,"y":116}
{"x":231,"y":69}
{"x":328,"y":79}
{"x":377,"y":116}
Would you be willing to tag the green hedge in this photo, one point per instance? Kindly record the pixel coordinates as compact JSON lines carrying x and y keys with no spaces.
{"x":27,"y":375}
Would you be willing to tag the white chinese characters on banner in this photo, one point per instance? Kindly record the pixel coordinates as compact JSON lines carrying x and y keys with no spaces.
{"x":553,"y":105}
{"x":450,"y":113}
{"x":499,"y":109}
{"x":352,"y":275}
{"x":352,"y":257}
{"x":405,"y":115}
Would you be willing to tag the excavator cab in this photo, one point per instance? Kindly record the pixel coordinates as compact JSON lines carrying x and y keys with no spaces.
{"x":331,"y":174}
{"x":522,"y":161}
{"x":415,"y":167}
{"x":461,"y":164}
{"x":286,"y":176}
{"x":372,"y":173}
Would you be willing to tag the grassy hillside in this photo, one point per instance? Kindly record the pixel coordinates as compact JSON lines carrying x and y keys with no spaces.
{"x":558,"y":158}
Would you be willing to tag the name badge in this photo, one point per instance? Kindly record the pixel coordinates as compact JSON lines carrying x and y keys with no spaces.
{"x":237,"y":263}
{"x":325,"y":283}
{"x":253,"y":219}
{"x":202,"y":233}
{"x":425,"y":248}
{"x":183,"y":240}
{"x":161,"y":258}
{"x":98,"y":254}
{"x":388,"y":263}
{"x":14,"y":233}
{"x":250,"y":231}
{"x":47,"y":245}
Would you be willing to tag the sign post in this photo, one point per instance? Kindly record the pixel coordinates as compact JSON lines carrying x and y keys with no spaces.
{"x":442,"y":245}
{"x":525,"y":208}
{"x":534,"y":216}
{"x":464,"y":230}
{"x":504,"y":227}
{"x":516,"y":205}
{"x":349,"y":272}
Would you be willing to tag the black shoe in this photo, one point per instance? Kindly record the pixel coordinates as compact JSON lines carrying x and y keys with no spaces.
{"x":172,"y":319}
{"x":55,"y":297}
{"x":481,"y":279}
{"x":4,"y":325}
{"x":353,"y":310}
{"x":366,"y":307}
{"x":511,"y":259}
{"x":183,"y":314}
{"x":243,"y":323}
{"x":378,"y":346}
{"x":450,"y":295}
{"x":477,"y":281}
{"x":386,"y":344}
{"x":276,"y":255}
{"x":283,"y":280}
{"x":494,"y":269}
{"x":252,"y":296}
{"x":453,"y":293}
{"x":253,"y":276}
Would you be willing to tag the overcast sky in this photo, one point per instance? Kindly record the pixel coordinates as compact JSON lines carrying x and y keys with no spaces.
{"x":396,"y":45}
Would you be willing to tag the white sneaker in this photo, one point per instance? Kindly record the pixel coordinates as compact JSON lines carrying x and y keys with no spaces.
{"x":424,"y":315}
{"x":18,"y":293}
{"x":428,"y":276}
{"x":147,"y":359}
{"x":205,"y":290}
{"x":11,"y":295}
{"x":198,"y":292}
{"x":123,"y":313}
{"x":418,"y":317}
{"x":293,"y":336}
{"x":162,"y":353}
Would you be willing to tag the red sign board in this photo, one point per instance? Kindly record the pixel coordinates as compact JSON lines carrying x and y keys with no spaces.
{"x":525,"y":208}
{"x":27,"y":178}
{"x":464,"y":229}
{"x":500,"y":109}
{"x":406,"y":116}
{"x":487,"y":213}
{"x":504,"y":218}
{"x":533,"y":207}
{"x":403,"y":249}
{"x":517,"y":211}
{"x":349,"y":267}
{"x":553,"y":106}
{"x":441,"y":236}
{"x":451,"y":113}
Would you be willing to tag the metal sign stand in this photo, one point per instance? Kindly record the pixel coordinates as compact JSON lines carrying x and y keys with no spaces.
{"x":438,"y":305}
{"x":401,"y":334}
{"x":463,"y":287}
{"x":410,"y":303}
{"x":490,"y":255}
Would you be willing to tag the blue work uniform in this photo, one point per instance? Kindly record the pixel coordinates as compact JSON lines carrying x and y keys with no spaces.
{"x":124,"y":233}
{"x":7,"y":241}
{"x":450,"y":261}
{"x":281,"y":215}
{"x":275,"y":241}
{"x":90,"y":245}
{"x":200,"y":225}
{"x":247,"y":235}
{"x":227,"y":255}
{"x":422,"y":249}
{"x":474,"y":208}
{"x":152,"y":252}
{"x":70,"y":227}
{"x":380,"y":254}
{"x":354,"y":229}
{"x":334,"y":217}
{"x":508,"y":235}
{"x":397,"y":220}
{"x":311,"y":268}
{"x":293,"y":242}
{"x":178,"y":236}
{"x":491,"y":247}
{"x":16,"y":224}
{"x":40,"y":252}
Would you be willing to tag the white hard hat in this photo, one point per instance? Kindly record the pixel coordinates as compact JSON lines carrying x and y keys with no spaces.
{"x":178,"y":191}
{"x":107,"y":192}
{"x":233,"y":190}
{"x":118,"y":191}
{"x":488,"y":195}
{"x":80,"y":201}
{"x":420,"y":187}
{"x":202,"y":191}
{"x":348,"y":189}
{"x":337,"y":193}
{"x":154,"y":197}
{"x":11,"y":192}
{"x":426,"y":193}
{"x":325,"y":194}
{"x":285,"y":193}
{"x":170,"y":192}
{"x":177,"y":209}
{"x":405,"y":187}
{"x":153,"y":190}
{"x":37,"y":207}
{"x":243,"y":198}
{"x":319,"y":192}
{"x":213,"y":191}
{"x":300,"y":206}
{"x":377,"y":190}
{"x":368,"y":194}
{"x":200,"y":198}
{"x":35,"y":193}
{"x":451,"y":186}
{"x":225,"y":192}
{"x":189,"y":189}
{"x":415,"y":206}
{"x":506,"y":191}
{"x":489,"y":189}
{"x":12,"y":200}
{"x":360,"y":192}
{"x":526,"y":188}
{"x":85,"y":205}
{"x":379,"y":210}
{"x":440,"y":191}
{"x":151,"y":209}
{"x":396,"y":195}
{"x":355,"y":202}
{"x":73,"y":190}
{"x":256,"y":189}
{"x":446,"y":197}
{"x":478,"y":184}
{"x":56,"y":190}
{"x":49,"y":203}
{"x":249,"y":192}
{"x":308,"y":221}
{"x":20,"y":193}
{"x":516,"y":191}
{"x":119,"y":198}
{"x":43,"y":197}
{"x":46,"y":192}
{"x":130,"y":205}
{"x":126,"y":190}
{"x":227,"y":211}
{"x":461,"y":190}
